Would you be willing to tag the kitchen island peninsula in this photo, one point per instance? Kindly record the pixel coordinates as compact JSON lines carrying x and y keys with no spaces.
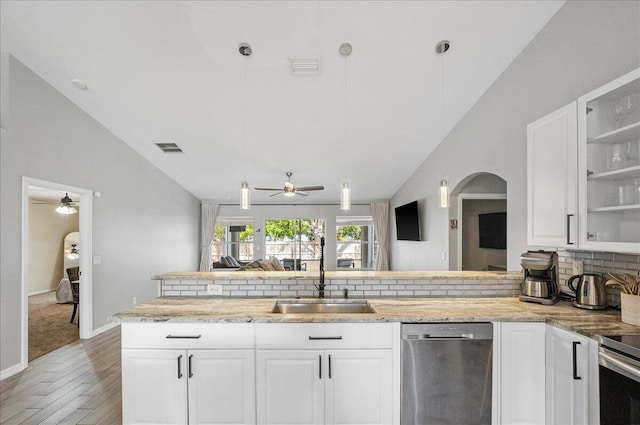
{"x":235,"y":360}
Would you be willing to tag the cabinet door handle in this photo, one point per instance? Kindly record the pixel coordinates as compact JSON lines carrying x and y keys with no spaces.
{"x":569,"y":229}
{"x":575,"y":360}
{"x":180,"y":366}
{"x":323,"y":338}
{"x":184,"y":336}
{"x":189,"y":366}
{"x":329,"y":366}
{"x":320,"y":366}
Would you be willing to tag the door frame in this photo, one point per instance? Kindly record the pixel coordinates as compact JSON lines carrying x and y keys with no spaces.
{"x":475,"y":197}
{"x":85,"y":227}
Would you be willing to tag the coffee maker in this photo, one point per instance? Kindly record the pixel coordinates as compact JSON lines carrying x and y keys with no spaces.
{"x":540,"y":284}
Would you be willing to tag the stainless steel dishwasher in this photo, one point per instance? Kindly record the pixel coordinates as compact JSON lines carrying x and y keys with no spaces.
{"x":446,"y":373}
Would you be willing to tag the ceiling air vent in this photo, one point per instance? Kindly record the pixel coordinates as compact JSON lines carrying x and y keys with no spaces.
{"x":304,"y":66}
{"x":169,"y":147}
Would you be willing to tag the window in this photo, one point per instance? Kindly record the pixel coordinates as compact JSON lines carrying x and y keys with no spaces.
{"x":356,"y":247}
{"x":233,"y":236}
{"x":295,"y":242}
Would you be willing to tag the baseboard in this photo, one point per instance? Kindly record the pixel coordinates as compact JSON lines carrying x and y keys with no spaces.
{"x":104,"y":328}
{"x":40,"y":292}
{"x":10,"y":371}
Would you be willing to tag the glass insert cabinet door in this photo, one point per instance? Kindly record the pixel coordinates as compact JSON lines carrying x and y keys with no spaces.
{"x":609,"y":165}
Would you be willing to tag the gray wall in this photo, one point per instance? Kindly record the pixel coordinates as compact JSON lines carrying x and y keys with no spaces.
{"x":585,"y":45}
{"x":143,"y":224}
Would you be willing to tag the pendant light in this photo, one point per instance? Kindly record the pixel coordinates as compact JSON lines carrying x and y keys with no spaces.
{"x":65,"y":206}
{"x":443,"y":190}
{"x":245,"y":195}
{"x":443,"y":194}
{"x":345,"y":186}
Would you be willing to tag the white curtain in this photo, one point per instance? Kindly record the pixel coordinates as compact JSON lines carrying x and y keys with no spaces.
{"x":208,"y":225}
{"x":380,"y":213}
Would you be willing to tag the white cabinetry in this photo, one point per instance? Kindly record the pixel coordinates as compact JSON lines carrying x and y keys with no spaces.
{"x":583,"y":172}
{"x":609,"y":166}
{"x":330,"y":373}
{"x":520,"y":373}
{"x":569,"y":377}
{"x":551,"y":179}
{"x":188,"y":373}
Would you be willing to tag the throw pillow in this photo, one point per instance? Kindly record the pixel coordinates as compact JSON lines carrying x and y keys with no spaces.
{"x":266,"y":266}
{"x":277,"y":265}
{"x":233,"y":261}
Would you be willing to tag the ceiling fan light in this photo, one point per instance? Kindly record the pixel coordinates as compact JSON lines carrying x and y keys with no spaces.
{"x":65,"y":206}
{"x":66,"y":209}
{"x":345,"y":195}
{"x":245,"y":196}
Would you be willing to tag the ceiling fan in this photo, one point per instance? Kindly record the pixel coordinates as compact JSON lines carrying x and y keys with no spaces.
{"x":290,"y":190}
{"x":67,"y":205}
{"x":65,"y":200}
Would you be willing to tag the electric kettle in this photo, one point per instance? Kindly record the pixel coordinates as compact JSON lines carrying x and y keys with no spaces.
{"x":590,"y":291}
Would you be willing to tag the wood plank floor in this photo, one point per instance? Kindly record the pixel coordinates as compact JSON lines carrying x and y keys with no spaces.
{"x":79,"y":383}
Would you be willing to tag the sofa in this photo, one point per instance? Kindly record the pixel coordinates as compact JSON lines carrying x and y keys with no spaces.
{"x":229,"y":263}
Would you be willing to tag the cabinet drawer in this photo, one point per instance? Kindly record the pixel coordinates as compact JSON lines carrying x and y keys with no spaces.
{"x":188,"y":335}
{"x":324,"y":335}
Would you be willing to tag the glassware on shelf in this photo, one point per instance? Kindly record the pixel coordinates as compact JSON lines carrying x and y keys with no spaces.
{"x":616,"y":156}
{"x":627,"y":110}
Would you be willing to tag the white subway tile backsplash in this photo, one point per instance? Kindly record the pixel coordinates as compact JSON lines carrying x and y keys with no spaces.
{"x":357,"y":288}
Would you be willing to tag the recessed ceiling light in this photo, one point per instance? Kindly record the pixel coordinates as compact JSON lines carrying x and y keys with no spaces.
{"x":169,"y":147}
{"x":79,"y":84}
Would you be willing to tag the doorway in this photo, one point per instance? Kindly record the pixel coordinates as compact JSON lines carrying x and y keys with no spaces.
{"x":32,"y":188}
{"x":477,"y":194}
{"x":52,"y":231}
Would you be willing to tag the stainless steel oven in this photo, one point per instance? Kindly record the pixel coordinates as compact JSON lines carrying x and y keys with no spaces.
{"x":619,"y":373}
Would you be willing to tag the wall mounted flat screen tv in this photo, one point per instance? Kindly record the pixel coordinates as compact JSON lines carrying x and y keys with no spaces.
{"x":493,"y":230}
{"x":408,"y":222}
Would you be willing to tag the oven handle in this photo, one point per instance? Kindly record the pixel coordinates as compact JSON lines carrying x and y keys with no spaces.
{"x":620,"y":366}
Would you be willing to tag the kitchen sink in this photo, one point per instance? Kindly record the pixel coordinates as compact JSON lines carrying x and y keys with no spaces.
{"x":322,"y":307}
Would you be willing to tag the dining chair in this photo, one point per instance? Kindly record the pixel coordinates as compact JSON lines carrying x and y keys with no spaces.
{"x":74,"y":280}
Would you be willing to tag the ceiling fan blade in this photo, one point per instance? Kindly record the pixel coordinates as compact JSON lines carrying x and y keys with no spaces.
{"x":309,"y":188}
{"x":298,"y":192}
{"x":267,"y":188}
{"x":276,"y":194}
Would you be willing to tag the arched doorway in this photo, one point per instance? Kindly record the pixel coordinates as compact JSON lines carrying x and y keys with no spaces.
{"x":477,"y":213}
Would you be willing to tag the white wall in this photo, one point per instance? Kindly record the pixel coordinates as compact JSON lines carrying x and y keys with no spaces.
{"x":47,"y":230}
{"x":143,"y":224}
{"x":290,"y":210}
{"x":586,"y":44}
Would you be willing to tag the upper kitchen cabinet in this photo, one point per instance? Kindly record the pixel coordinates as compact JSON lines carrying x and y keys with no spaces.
{"x":609,"y":166}
{"x":551,"y":179}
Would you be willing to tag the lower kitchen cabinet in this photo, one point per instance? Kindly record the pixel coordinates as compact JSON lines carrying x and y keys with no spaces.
{"x":328,"y":374}
{"x":569,"y":377}
{"x":172,"y":378}
{"x":519,"y":364}
{"x":324,"y":387}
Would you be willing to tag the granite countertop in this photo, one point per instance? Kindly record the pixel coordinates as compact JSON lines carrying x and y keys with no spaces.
{"x":239,"y":310}
{"x":356,"y":274}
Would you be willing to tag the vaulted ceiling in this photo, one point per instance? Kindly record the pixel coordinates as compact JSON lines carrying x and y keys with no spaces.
{"x":170,"y":71}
